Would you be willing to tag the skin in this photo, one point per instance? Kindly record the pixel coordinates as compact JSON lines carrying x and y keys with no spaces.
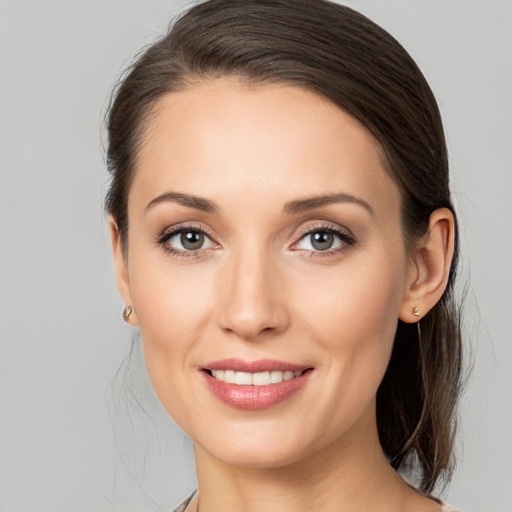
{"x":258,"y":289}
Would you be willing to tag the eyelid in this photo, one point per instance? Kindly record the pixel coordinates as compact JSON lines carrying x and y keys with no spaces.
{"x":171,"y":231}
{"x":325,"y":226}
{"x":344,"y":234}
{"x":179,"y":228}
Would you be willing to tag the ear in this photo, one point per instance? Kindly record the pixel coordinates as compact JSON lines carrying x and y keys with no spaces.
{"x":430,"y":267}
{"x":120,"y":264}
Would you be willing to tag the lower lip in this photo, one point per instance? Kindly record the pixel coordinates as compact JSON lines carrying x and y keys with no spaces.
{"x":255,"y":397}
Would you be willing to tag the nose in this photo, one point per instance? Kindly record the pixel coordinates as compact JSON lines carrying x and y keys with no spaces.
{"x":253,"y":302}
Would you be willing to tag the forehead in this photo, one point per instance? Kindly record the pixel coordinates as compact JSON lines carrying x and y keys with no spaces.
{"x":222,"y":139}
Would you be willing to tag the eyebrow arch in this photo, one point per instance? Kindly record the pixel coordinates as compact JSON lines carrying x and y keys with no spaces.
{"x":188,"y":200}
{"x":311,"y":203}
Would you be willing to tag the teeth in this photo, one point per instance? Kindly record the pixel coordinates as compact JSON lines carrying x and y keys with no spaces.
{"x":276,"y":377}
{"x":229,"y":376}
{"x":261,"y":379}
{"x":255,"y":379}
{"x":243,"y":378}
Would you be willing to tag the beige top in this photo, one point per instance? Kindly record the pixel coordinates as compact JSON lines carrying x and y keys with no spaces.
{"x":183,"y":506}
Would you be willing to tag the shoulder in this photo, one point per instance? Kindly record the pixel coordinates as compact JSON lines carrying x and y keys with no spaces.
{"x":446,"y":508}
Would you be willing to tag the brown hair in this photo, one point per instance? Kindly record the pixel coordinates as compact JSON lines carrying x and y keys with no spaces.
{"x":343,"y":56}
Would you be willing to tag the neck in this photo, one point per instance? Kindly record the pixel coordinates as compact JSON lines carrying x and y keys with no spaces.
{"x":351,"y":473}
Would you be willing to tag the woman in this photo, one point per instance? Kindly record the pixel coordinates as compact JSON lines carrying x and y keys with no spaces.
{"x":285,"y":241}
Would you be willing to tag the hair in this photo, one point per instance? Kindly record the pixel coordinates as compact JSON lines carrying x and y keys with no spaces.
{"x":343,"y":56}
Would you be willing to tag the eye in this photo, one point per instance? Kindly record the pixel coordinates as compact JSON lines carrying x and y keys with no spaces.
{"x":324,"y":239}
{"x":185,"y":239}
{"x":319,"y":241}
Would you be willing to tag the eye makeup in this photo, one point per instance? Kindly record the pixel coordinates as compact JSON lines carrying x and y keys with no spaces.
{"x":192,"y":238}
{"x":345,"y":240}
{"x":194,"y":241}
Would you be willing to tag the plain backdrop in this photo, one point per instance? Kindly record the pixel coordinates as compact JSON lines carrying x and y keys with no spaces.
{"x":72,"y":434}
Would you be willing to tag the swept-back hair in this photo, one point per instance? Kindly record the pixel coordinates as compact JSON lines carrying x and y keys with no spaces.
{"x":346,"y":58}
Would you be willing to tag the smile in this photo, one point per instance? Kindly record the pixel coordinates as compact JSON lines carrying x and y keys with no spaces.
{"x":254,"y":385}
{"x":254,"y":379}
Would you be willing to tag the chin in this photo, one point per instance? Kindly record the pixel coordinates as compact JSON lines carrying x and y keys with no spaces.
{"x":258,"y":457}
{"x":257,"y":446}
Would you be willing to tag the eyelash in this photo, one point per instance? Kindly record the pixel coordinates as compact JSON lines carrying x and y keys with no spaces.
{"x":168,"y":234}
{"x":346,"y":238}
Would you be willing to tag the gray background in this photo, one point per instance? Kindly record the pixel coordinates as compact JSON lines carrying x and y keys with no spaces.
{"x":63,"y":424}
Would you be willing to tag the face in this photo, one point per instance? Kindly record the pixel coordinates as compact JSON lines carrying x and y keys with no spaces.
{"x":265,"y":248}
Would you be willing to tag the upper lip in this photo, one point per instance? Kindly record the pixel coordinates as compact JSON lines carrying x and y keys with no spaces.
{"x":262,"y":365}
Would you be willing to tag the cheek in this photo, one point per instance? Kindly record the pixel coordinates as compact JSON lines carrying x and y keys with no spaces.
{"x":169,"y":298}
{"x":173,"y":305}
{"x":352,"y":314}
{"x":342,"y":316}
{"x":352,"y":317}
{"x":362,"y":296}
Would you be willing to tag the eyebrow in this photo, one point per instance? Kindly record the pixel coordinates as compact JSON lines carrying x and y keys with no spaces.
{"x":297,"y":206}
{"x":311,"y":203}
{"x":198,"y":203}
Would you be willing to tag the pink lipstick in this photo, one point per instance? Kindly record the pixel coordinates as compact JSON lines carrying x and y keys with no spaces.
{"x":254,"y":385}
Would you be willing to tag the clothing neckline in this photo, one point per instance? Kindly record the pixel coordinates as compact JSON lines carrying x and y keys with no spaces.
{"x":183,"y":506}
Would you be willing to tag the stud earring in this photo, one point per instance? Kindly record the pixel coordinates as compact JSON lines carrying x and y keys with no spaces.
{"x":416,"y":311}
{"x":127,"y":311}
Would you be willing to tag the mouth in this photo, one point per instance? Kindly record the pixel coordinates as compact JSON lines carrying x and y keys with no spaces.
{"x":254,"y":379}
{"x":255,"y":385}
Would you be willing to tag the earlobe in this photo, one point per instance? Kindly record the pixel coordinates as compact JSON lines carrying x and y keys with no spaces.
{"x":431,"y":267}
{"x":120,"y":264}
